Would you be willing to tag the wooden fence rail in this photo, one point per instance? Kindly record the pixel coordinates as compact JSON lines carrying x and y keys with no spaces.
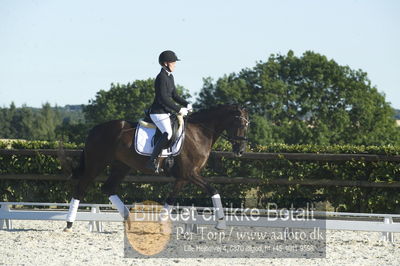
{"x":218,"y":180}
{"x":216,"y":155}
{"x":246,"y":155}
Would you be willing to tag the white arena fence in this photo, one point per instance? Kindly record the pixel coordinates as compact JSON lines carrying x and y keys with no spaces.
{"x":95,"y":214}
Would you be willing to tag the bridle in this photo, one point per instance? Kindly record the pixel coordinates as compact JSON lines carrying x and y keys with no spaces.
{"x":238,"y":138}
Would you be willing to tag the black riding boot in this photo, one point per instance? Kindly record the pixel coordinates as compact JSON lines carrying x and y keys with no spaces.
{"x":152,"y":163}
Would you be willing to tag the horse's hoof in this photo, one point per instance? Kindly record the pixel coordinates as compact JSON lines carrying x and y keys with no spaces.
{"x":159,"y":171}
{"x":221,"y":225}
{"x":68,"y":230}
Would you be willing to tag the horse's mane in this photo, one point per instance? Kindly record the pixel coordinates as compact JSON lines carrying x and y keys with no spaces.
{"x":204,"y":114}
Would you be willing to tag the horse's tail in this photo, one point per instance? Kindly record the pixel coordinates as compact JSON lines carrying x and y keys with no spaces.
{"x":78,"y":171}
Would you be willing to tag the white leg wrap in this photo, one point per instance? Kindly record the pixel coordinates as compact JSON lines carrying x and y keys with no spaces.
{"x":119,"y":205}
{"x":73,"y":209}
{"x":219,"y":210}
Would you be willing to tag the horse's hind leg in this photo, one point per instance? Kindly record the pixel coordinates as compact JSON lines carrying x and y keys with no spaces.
{"x":91,"y":171}
{"x":216,"y":200}
{"x":118,"y":172}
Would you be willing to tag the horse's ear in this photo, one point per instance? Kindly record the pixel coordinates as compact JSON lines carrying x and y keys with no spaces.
{"x":126,"y":136}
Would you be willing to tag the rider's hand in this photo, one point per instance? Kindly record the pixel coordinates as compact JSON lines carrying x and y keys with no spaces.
{"x":190,"y":107}
{"x":183,"y":111}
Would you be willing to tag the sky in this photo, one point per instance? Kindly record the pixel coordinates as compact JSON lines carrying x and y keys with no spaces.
{"x":64,"y":52}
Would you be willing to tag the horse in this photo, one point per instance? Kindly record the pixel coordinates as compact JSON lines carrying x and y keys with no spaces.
{"x":111,"y":144}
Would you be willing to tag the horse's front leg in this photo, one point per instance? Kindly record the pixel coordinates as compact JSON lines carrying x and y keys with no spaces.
{"x":118,"y":172}
{"x":216,"y":200}
{"x":178,"y":186}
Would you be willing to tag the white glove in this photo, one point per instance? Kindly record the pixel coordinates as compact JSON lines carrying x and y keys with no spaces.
{"x":183,"y":111}
{"x":190,"y":107}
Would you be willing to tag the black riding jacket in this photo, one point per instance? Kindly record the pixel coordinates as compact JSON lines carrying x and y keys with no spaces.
{"x":165,"y":94}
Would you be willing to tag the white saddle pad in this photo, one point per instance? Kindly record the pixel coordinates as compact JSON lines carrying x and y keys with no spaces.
{"x":143,"y":142}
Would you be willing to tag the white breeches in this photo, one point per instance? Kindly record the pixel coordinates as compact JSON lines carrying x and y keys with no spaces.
{"x":163,"y":123}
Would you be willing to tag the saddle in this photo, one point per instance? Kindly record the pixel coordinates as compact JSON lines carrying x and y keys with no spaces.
{"x":176,"y":123}
{"x":147,"y":134}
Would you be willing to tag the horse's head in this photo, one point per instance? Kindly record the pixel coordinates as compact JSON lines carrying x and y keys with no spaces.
{"x":228,"y":117}
{"x":238,"y":122}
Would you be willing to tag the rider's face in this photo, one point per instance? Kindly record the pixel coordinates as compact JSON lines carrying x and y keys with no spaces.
{"x":171,"y":66}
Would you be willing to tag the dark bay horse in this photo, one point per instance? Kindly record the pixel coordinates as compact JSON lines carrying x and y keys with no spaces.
{"x":111,"y":144}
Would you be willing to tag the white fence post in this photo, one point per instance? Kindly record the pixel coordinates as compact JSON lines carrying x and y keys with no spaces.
{"x":287,"y":215}
{"x":191,"y":227}
{"x":6,"y":222}
{"x":97,"y":224}
{"x":2,"y":221}
{"x":388,"y":236}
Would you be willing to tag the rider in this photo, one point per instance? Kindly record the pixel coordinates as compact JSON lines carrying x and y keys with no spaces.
{"x":164,"y":103}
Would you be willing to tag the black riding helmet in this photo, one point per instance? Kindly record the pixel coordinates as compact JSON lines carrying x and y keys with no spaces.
{"x":167,"y":56}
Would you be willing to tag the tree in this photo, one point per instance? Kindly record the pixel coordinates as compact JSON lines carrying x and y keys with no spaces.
{"x":24,"y":123}
{"x":46,"y":122}
{"x":122,"y":102}
{"x":29,"y":123}
{"x":307,"y":100}
{"x":5,"y":120}
{"x":16,"y":122}
{"x":72,"y":131}
{"x":73,"y":127}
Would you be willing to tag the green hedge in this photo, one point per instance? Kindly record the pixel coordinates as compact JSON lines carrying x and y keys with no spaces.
{"x":341,"y":198}
{"x":60,"y":191}
{"x":354,"y":199}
